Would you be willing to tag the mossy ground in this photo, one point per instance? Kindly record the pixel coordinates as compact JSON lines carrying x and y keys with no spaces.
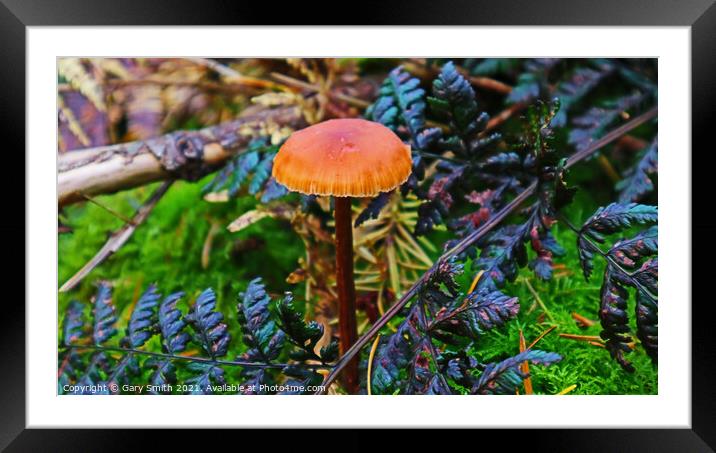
{"x":167,"y":250}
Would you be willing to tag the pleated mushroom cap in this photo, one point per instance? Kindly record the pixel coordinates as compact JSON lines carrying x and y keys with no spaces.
{"x":343,"y":158}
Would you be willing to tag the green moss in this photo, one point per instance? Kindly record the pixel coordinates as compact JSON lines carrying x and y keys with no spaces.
{"x":589,"y":367}
{"x":167,"y":249}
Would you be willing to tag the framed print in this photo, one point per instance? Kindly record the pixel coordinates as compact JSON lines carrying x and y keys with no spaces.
{"x":450,"y":219}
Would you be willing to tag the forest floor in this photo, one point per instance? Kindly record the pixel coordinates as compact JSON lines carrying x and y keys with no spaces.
{"x":171,"y":249}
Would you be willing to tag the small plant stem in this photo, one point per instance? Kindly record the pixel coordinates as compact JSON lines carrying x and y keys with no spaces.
{"x":346,"y":289}
{"x":570,"y":336}
{"x":608,"y":168}
{"x":542,"y":335}
{"x":539,"y":300}
{"x":206,"y":249}
{"x":585,"y":322}
{"x":370,"y":364}
{"x":91,"y":347}
{"x":108,"y":209}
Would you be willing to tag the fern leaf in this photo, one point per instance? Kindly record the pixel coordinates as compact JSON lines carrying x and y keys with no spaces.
{"x":614,"y":318}
{"x":73,"y":324}
{"x":506,"y":377}
{"x":250,"y":169}
{"x":424,"y":377}
{"x":401,"y":104}
{"x":491,"y":66}
{"x":618,"y":217}
{"x":262,"y":173}
{"x":260,"y":332}
{"x":648,"y":275}
{"x":162,"y":378}
{"x":171,"y":324}
{"x":453,"y":101}
{"x":614,"y":218}
{"x":647,"y":324}
{"x":211,"y":332}
{"x":244,"y":165}
{"x":104,"y":314}
{"x":205,"y":378}
{"x":526,"y":89}
{"x":530,"y":83}
{"x":305,"y":336}
{"x":481,"y":310}
{"x":637,"y":181}
{"x":595,"y":122}
{"x":503,"y":252}
{"x":273,"y":190}
{"x":628,"y":252}
{"x":142,"y":323}
{"x":174,"y":340}
{"x":300,"y":378}
{"x":372,"y":211}
{"x":581,"y":83}
{"x":391,"y":356}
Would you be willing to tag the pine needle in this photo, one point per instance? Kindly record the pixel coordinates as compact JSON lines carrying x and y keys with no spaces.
{"x":474,"y":281}
{"x":570,"y":336}
{"x":542,"y":335}
{"x":525,"y":367}
{"x":567,"y":389}
{"x":370,"y":362}
{"x":582,"y":321}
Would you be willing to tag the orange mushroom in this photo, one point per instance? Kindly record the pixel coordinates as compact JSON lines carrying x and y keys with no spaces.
{"x":344,"y":158}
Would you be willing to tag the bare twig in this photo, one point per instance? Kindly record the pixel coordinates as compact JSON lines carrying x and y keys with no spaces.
{"x":118,"y":238}
{"x":107,"y":208}
{"x":180,"y":154}
{"x":470,"y":239}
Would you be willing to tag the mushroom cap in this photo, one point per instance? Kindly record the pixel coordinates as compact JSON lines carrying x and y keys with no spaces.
{"x":343,"y":158}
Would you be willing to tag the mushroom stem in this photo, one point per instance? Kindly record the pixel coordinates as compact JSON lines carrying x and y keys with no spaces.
{"x":346,"y":288}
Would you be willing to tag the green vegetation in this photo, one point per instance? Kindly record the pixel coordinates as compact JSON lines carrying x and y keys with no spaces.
{"x":167,"y":250}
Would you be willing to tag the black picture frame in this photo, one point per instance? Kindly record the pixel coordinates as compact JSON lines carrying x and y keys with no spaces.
{"x":699,"y":15}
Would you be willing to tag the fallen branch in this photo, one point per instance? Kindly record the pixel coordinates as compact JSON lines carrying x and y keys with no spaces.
{"x":118,"y":238}
{"x":470,"y":239}
{"x":178,"y":155}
